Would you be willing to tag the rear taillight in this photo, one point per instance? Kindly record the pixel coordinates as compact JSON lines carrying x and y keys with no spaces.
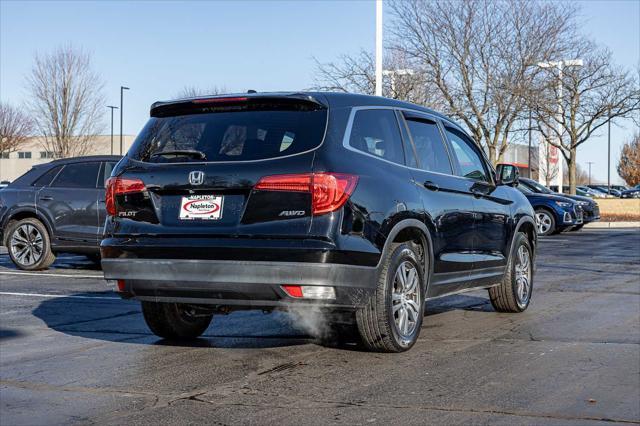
{"x":329,"y":190}
{"x":120,"y":186}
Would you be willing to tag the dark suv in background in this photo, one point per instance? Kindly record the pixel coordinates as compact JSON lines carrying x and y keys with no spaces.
{"x":55,"y":207}
{"x":360,"y":207}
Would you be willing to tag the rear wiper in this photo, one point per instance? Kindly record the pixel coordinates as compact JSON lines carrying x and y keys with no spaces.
{"x":193,"y":153}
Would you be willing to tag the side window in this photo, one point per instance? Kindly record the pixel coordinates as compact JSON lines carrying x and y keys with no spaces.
{"x":80,"y":175}
{"x":376,"y":132}
{"x":46,"y":178}
{"x":469,"y":161}
{"x":106,"y":170}
{"x":429,"y":146}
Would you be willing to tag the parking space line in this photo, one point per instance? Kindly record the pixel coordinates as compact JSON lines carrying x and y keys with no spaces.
{"x":44,"y":274}
{"x":57,"y":296}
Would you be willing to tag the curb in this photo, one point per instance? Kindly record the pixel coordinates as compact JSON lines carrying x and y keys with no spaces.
{"x":596,"y":225}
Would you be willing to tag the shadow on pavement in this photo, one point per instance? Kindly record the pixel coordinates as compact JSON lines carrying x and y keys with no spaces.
{"x":9,"y":334}
{"x":90,"y":315}
{"x":64,"y":261}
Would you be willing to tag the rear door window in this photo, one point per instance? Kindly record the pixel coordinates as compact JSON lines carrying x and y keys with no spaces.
{"x":251,"y":134}
{"x":376,"y":132}
{"x":80,"y":175}
{"x":429,"y":145}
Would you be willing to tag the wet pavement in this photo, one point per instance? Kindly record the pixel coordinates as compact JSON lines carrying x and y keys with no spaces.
{"x":72,"y":352}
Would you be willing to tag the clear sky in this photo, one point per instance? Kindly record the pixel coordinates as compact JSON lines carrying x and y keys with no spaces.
{"x":158,"y":47}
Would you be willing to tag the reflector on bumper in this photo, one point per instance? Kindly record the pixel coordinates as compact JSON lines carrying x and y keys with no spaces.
{"x":310,"y":291}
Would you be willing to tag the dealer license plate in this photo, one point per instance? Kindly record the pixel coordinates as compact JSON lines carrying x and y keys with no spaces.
{"x":203,"y":207}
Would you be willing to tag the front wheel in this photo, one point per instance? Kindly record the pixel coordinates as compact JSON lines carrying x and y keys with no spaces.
{"x":514,"y":292}
{"x":545,"y":223}
{"x":392,"y":318}
{"x":175,"y":320}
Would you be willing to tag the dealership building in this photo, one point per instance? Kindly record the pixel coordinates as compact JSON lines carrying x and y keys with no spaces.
{"x":33,"y":152}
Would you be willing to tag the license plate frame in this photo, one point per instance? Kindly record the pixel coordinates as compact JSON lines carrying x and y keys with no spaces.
{"x":201,"y":207}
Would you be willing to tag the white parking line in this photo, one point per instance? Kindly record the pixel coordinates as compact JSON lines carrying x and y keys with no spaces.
{"x":57,"y":296}
{"x":44,"y":274}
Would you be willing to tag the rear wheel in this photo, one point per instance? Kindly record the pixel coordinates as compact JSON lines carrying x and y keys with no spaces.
{"x":392,"y":318}
{"x":29,"y":245}
{"x":514,"y":293}
{"x":175,"y":320}
{"x":545,"y":223}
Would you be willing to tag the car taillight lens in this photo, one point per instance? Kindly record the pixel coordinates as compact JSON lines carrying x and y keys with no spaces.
{"x":329,"y":191}
{"x":120,"y":186}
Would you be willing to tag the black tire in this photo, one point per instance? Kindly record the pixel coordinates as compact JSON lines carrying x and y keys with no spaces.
{"x":376,"y":321}
{"x":39,"y":244}
{"x":550,"y":228}
{"x":174,"y":320}
{"x":505,"y":297}
{"x":576,"y":228}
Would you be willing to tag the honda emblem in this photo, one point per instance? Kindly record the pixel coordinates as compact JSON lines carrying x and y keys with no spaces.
{"x":196,"y":177}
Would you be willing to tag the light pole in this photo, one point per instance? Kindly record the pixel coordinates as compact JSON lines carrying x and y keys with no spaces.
{"x":378,"y":47}
{"x":392,"y":75}
{"x":529,"y":152}
{"x":112,"y":108}
{"x":122,"y":89}
{"x":589,"y":163}
{"x":560,"y":65}
{"x":609,"y":153}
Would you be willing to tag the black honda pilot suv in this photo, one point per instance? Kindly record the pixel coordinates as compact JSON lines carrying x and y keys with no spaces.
{"x":360,"y":207}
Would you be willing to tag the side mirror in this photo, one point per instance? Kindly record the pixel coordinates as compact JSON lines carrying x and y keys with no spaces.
{"x":508,"y":174}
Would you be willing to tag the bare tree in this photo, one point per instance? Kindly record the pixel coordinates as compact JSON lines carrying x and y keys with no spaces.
{"x":480,"y":57}
{"x":66,"y":101}
{"x":356,"y":74}
{"x":592,"y":95}
{"x":15,"y":128}
{"x":194,"y":91}
{"x":629,"y":163}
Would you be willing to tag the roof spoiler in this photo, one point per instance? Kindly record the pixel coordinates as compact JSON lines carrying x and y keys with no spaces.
{"x":159,"y":109}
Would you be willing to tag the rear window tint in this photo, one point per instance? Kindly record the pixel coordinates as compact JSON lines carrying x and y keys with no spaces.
{"x":230,"y":135}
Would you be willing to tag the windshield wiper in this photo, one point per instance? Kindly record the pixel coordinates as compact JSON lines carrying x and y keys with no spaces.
{"x":193,"y":153}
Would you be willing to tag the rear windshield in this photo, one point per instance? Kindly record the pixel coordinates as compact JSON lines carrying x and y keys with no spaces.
{"x":236,"y":135}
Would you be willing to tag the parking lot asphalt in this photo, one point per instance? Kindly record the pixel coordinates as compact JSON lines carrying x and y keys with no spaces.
{"x":72,"y":352}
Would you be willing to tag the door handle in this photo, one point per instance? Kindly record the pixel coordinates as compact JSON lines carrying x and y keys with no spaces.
{"x":45,"y":198}
{"x":431,"y":186}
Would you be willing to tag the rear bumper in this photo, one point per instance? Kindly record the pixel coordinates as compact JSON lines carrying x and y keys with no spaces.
{"x":239,"y":283}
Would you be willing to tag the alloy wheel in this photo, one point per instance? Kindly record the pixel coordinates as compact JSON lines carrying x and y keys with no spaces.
{"x":27,"y":244}
{"x":405,"y":298}
{"x":523,"y":276}
{"x":543,"y":222}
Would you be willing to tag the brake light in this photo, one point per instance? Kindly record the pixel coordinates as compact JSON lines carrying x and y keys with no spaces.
{"x":329,"y":190}
{"x":120,"y":186}
{"x":218,"y":100}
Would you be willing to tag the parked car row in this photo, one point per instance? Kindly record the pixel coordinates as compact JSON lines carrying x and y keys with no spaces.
{"x":602,"y":191}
